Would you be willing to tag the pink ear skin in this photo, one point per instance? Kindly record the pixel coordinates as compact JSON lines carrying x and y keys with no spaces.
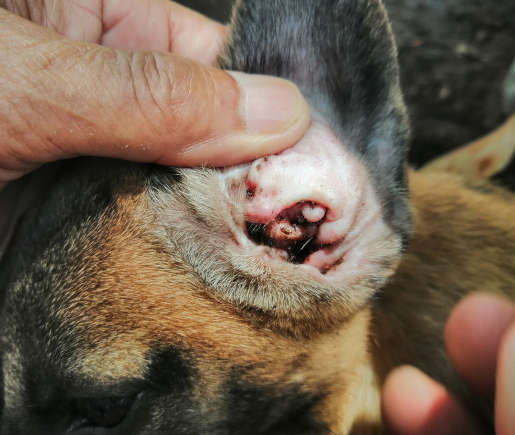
{"x":315,"y":197}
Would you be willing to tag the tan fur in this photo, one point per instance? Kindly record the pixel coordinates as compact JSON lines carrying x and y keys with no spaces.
{"x":464,"y":241}
{"x":143,"y":296}
{"x":482,"y":158}
{"x":129,"y":291}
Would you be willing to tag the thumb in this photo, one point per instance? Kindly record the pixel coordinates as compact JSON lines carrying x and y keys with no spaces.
{"x":68,"y":98}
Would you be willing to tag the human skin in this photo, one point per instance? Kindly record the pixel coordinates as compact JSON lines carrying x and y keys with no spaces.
{"x":131,"y":79}
{"x":480,"y":340}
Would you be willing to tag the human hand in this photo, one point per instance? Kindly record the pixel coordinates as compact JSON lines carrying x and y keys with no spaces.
{"x":75,"y":81}
{"x":480,"y":339}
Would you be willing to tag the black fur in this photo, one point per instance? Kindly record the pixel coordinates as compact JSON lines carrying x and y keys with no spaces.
{"x":170,"y":370}
{"x":255,"y":409}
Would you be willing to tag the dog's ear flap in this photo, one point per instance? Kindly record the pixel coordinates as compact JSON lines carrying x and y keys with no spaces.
{"x":342,"y":55}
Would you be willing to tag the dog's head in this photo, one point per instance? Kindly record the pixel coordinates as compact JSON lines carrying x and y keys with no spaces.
{"x":149,"y":300}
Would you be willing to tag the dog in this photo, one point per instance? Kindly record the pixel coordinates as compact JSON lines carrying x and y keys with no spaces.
{"x":268,"y":298}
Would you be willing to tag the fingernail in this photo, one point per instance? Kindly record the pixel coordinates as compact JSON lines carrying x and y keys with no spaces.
{"x":269,"y":105}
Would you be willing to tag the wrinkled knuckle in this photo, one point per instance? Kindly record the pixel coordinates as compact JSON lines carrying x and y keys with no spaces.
{"x":20,"y":8}
{"x":31,"y":9}
{"x":60,"y":59}
{"x":144,"y":77}
{"x":156,"y":76}
{"x":47,"y":13}
{"x":206,"y":89}
{"x":176,"y":78}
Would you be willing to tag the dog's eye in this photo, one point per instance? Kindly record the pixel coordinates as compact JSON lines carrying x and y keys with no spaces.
{"x":102,"y":412}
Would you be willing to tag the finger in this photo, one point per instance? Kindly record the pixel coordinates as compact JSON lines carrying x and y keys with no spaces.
{"x":128,"y":24}
{"x":505,"y":394}
{"x":473,"y":335}
{"x":63,"y":98}
{"x":76,"y":19}
{"x":161,"y":25}
{"x":414,"y":404}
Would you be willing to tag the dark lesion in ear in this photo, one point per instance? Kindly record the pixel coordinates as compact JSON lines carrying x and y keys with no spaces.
{"x":342,"y":55}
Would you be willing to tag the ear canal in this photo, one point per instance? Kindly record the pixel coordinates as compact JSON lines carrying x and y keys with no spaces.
{"x":342,"y":55}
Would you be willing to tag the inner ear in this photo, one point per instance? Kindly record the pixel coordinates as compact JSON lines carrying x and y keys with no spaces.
{"x":342,"y":55}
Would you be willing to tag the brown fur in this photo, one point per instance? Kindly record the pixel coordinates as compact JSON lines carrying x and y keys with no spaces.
{"x":144,"y":297}
{"x":135,"y":302}
{"x":126,"y":291}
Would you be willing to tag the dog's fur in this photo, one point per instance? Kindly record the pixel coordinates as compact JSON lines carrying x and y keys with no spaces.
{"x":117,"y":298}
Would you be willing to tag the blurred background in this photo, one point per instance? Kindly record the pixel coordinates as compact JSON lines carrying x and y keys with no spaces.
{"x":454,"y":56}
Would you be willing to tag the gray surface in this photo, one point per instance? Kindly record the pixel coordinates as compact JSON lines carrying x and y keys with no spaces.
{"x":218,"y":9}
{"x":509,"y":90}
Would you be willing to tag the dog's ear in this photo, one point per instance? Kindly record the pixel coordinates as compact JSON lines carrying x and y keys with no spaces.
{"x":342,"y":55}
